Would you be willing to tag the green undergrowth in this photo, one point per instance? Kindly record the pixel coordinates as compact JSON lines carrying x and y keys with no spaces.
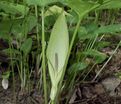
{"x":56,"y":44}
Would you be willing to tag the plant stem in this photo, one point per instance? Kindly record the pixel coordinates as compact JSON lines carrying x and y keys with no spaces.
{"x":73,"y":38}
{"x":38,"y":46}
{"x":12,"y":67}
{"x":43,"y":58}
{"x":37,"y":27}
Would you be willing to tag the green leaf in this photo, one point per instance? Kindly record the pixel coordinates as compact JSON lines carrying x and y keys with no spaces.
{"x":13,"y":8}
{"x":6,"y":75}
{"x":29,"y":23}
{"x":91,"y":30}
{"x":87,"y":32}
{"x":18,"y":27}
{"x":111,"y":4}
{"x":5,"y":37}
{"x":100,"y":1}
{"x":98,"y":56}
{"x":13,"y":51}
{"x":77,"y":67}
{"x":82,"y":7}
{"x":109,"y":29}
{"x":26,"y":46}
{"x":40,"y":2}
{"x":10,"y":26}
{"x":57,"y":51}
{"x":102,"y":44}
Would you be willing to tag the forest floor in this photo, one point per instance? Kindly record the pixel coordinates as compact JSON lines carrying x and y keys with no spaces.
{"x":19,"y":97}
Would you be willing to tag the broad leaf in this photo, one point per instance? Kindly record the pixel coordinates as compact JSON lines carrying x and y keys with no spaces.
{"x":29,"y":23}
{"x":18,"y":27}
{"x":90,"y":31}
{"x":26,"y":46}
{"x":40,"y":2}
{"x":109,"y":29}
{"x":82,"y":7}
{"x":87,"y":32}
{"x":10,"y":26}
{"x":111,"y":4}
{"x":13,"y":8}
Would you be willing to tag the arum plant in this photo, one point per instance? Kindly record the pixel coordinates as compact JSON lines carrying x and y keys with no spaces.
{"x":57,"y":51}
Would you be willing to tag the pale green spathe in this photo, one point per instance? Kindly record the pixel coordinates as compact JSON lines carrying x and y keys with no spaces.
{"x":57,"y":52}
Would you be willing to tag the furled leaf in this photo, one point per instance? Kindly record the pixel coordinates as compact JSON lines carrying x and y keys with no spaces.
{"x":13,"y":8}
{"x":82,"y":7}
{"x":26,"y":46}
{"x":57,"y":51}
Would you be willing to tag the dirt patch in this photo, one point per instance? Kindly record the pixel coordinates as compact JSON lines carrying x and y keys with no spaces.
{"x":93,"y":94}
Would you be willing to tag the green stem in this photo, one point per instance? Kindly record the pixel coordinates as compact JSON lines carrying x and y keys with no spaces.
{"x":43,"y":58}
{"x":73,"y":38}
{"x":38,"y":46}
{"x":12,"y":67}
